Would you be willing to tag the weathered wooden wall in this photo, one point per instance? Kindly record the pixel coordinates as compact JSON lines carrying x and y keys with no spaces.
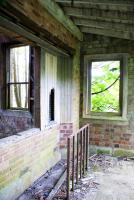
{"x":65,"y":87}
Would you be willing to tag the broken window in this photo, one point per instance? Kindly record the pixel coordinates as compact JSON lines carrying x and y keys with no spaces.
{"x":18,"y":80}
{"x":105,"y":86}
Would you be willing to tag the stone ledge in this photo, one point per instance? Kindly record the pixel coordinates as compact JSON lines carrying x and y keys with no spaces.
{"x":106,"y":120}
{"x":25,"y":134}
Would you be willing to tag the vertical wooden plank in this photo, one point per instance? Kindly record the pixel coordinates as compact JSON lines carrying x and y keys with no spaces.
{"x":77,"y":161}
{"x":68,"y":167}
{"x":87,"y":147}
{"x":73,"y":163}
{"x":81,"y":152}
{"x":6,"y":77}
{"x":37,"y":68}
{"x":70,"y":89}
{"x":43,"y":88}
{"x":84,"y":151}
{"x":62,"y":89}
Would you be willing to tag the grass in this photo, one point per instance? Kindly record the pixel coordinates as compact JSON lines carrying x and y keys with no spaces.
{"x":117,"y":153}
{"x":123,"y":153}
{"x":103,"y":151}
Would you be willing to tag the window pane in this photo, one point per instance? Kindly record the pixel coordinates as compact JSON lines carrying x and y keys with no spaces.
{"x":19,"y":96}
{"x":19,"y":64}
{"x":105,"y":83}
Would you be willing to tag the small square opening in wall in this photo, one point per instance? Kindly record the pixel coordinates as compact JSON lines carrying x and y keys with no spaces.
{"x":105,"y":86}
{"x":52,"y":105}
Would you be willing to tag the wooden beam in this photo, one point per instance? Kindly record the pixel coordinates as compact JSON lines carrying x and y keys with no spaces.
{"x":58,"y":13}
{"x":13,"y":37}
{"x":30,"y":36}
{"x":115,"y":2}
{"x":100,"y":14}
{"x":104,"y":24}
{"x":108,"y":32}
{"x":40,"y":21}
{"x":100,"y":5}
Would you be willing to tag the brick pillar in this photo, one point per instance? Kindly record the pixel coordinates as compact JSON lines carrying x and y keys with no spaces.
{"x":66,"y":129}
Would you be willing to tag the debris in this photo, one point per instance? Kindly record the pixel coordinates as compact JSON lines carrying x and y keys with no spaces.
{"x":44,"y":185}
{"x":101,"y":160}
{"x":48,"y":187}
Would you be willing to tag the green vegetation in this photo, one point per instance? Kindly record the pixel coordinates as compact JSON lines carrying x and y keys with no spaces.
{"x":123,"y":153}
{"x":105,"y":86}
{"x":103,"y":151}
{"x":117,"y":153}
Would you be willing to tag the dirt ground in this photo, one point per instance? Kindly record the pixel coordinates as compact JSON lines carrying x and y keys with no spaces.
{"x":108,"y":179}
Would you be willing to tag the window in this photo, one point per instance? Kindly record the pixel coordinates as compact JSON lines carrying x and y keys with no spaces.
{"x":18,"y":79}
{"x":51,"y":105}
{"x":105,"y":85}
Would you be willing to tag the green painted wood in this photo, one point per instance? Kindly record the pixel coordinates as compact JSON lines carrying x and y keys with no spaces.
{"x":99,"y":4}
{"x":108,"y":32}
{"x":57,"y":13}
{"x":102,"y":1}
{"x":30,"y":36}
{"x":64,"y":74}
{"x":100,"y":14}
{"x":118,"y":26}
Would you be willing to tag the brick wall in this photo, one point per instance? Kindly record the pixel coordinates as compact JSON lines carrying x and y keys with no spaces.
{"x":13,"y":122}
{"x":66,"y":129}
{"x":24,"y":158}
{"x":108,"y":133}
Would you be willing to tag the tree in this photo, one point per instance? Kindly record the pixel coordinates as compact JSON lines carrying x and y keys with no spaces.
{"x":105,"y":87}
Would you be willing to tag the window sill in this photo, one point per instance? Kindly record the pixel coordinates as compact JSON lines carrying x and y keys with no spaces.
{"x":19,"y":136}
{"x":17,"y":113}
{"x":105,"y":119}
{"x":51,"y":125}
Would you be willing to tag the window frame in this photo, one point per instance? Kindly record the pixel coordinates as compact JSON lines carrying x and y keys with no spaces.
{"x":88,"y":59}
{"x":8,"y":83}
{"x":52,"y":105}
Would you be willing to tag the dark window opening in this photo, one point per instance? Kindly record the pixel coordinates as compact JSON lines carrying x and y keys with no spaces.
{"x":52,"y":105}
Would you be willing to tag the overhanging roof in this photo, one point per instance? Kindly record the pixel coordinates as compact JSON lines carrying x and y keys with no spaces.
{"x":106,"y":17}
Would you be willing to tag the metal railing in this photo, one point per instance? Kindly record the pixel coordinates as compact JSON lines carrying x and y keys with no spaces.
{"x":77,"y":157}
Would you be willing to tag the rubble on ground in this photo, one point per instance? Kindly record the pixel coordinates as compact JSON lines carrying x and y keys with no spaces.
{"x":89,"y":183}
{"x":41,"y":188}
{"x":97,"y":163}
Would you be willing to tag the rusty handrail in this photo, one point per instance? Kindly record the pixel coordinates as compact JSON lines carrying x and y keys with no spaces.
{"x":77,"y":157}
